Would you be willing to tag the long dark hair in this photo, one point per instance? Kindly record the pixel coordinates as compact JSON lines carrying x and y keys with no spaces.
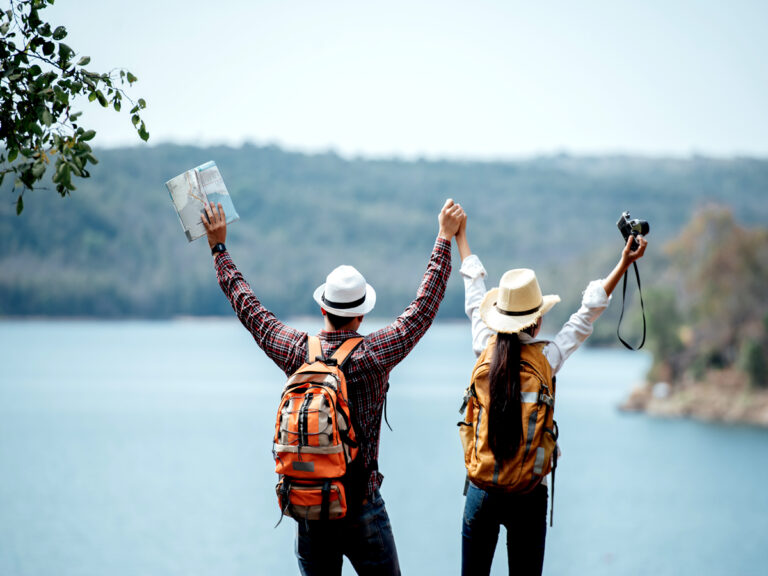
{"x":505,"y":427}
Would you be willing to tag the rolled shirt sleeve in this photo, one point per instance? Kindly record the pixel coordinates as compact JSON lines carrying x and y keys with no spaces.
{"x":578,"y":327}
{"x":473,"y":272}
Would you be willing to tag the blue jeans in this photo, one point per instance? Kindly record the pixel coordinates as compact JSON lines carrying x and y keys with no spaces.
{"x":365,"y":537}
{"x":525,"y":518}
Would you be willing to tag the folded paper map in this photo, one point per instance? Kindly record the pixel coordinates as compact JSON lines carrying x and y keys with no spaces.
{"x":192,"y":190}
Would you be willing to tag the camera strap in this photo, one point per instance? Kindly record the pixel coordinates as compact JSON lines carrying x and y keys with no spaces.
{"x":623,"y":301}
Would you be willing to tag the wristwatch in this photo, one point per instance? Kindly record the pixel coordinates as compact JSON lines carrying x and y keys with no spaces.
{"x":218,"y":248}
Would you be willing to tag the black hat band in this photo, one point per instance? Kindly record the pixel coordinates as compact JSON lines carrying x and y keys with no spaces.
{"x":343,"y":305}
{"x":521,"y":313}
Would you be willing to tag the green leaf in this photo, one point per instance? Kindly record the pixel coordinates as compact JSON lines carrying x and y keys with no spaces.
{"x":38,"y":169}
{"x":40,"y":76}
{"x":19,"y":205}
{"x":66,"y":177}
{"x":65,"y":52}
{"x":34,"y":19}
{"x":57,"y":174}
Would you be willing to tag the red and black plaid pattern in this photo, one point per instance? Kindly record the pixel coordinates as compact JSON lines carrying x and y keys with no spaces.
{"x":367,"y":370}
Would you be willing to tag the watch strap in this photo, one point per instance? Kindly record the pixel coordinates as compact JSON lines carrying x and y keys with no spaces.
{"x":218,"y":248}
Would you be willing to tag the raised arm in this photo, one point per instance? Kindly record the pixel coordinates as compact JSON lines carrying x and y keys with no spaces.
{"x":594,"y":301}
{"x":393,"y":343}
{"x":461,"y":240}
{"x":627,"y":257}
{"x":473,"y":274}
{"x":279,"y":341}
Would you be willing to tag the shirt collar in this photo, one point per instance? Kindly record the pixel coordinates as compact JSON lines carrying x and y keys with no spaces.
{"x":337,"y":335}
{"x":528,"y":339}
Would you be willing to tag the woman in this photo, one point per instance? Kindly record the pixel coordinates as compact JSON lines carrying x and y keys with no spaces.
{"x":505,"y":324}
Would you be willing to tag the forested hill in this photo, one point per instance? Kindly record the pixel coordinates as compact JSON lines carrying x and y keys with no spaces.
{"x":116,"y":249}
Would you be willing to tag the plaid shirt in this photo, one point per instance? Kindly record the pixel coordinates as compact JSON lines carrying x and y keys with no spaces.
{"x":367,"y":370}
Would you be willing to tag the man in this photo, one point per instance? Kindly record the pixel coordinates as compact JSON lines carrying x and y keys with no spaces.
{"x":364,"y":535}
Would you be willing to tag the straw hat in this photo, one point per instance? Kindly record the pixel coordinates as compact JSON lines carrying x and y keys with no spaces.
{"x":345,"y":293}
{"x":517,"y":303}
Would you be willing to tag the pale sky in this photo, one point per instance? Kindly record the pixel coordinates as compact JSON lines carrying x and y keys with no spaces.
{"x":482,"y":80}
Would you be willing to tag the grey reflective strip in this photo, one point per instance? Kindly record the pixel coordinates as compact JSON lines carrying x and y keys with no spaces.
{"x":477,"y":428}
{"x":538,"y":465}
{"x":529,"y":397}
{"x":531,"y":431}
{"x":309,"y":449}
{"x":303,"y":424}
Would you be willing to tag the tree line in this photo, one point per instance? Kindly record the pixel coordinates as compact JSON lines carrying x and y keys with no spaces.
{"x":115,"y":247}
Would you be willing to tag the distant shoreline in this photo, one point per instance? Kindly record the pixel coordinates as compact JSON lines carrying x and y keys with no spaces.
{"x":722,"y":396}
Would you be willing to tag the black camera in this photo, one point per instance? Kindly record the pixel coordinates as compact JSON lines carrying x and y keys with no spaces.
{"x":634,"y":227}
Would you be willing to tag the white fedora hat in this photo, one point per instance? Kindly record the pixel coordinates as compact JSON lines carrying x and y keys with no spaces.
{"x":345,"y":293}
{"x":517,"y":303}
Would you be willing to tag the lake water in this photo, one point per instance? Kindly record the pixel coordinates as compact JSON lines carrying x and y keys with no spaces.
{"x":144,"y":448}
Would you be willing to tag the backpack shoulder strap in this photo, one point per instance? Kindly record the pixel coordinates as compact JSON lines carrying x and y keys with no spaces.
{"x":346,"y":348}
{"x":314,"y":349}
{"x":533,"y":356}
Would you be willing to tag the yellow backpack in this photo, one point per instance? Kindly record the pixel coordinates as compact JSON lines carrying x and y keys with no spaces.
{"x":537,"y":455}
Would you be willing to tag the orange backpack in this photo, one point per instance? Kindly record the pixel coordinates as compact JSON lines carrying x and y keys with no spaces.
{"x":537,"y":454}
{"x":314,"y":436}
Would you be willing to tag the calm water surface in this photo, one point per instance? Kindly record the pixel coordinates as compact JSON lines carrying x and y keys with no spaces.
{"x":144,"y":448}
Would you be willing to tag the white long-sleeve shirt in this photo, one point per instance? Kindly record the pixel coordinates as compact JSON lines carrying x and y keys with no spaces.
{"x":573,"y":333}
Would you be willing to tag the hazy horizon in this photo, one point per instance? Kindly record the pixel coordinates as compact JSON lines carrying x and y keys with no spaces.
{"x":498,"y":80}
